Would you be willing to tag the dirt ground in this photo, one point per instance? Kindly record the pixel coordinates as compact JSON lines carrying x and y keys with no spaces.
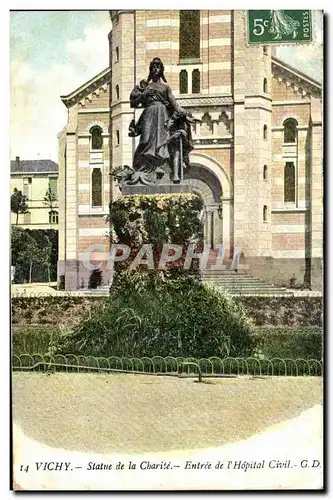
{"x":136,"y":413}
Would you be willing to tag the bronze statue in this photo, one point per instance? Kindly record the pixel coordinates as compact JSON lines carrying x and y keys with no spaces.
{"x":164,"y":129}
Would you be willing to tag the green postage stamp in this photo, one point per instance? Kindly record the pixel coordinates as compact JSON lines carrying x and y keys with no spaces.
{"x":279,"y":26}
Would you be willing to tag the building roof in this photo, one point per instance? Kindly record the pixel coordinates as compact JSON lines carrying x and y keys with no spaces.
{"x":98,"y":81}
{"x":104,"y":77}
{"x":280,"y":66}
{"x":33,"y":166}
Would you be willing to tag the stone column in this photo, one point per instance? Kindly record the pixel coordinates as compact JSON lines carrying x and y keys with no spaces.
{"x":238,"y":132}
{"x":208,"y":226}
{"x":125,"y":72}
{"x":71,"y":229}
{"x":215,"y":120}
{"x":316,"y":195}
{"x":62,"y":200}
{"x":252,"y":148}
{"x":226,"y":214}
{"x":217,"y":232}
{"x":197,"y":117}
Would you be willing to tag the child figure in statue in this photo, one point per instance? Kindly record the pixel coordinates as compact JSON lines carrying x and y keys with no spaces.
{"x":134,"y":128}
{"x":179,"y":142}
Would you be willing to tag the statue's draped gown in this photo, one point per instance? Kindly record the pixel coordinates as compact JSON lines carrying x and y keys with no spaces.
{"x":152,"y":151}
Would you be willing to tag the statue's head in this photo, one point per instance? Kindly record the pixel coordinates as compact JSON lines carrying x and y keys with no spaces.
{"x":156,"y":70}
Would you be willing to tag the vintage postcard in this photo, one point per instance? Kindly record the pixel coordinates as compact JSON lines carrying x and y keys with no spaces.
{"x":166,"y":191}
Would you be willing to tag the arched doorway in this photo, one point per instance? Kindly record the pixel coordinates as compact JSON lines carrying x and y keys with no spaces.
{"x":202,"y":181}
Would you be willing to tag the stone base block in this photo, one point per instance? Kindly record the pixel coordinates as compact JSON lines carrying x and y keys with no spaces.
{"x":156,"y":189}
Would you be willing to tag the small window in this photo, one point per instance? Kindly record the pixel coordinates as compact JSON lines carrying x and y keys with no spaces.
{"x":290,"y":131}
{"x":265,"y":213}
{"x":96,"y":138}
{"x":53,"y":217}
{"x":117,"y":137}
{"x":265,"y":86}
{"x":117,"y":54}
{"x":183,"y":82}
{"x":264,"y":49}
{"x":117,"y":92}
{"x":289,"y":182}
{"x":265,"y":132}
{"x":265,"y":173}
{"x":27,"y":218}
{"x":96,"y":181}
{"x":26,"y":182}
{"x":195,"y":81}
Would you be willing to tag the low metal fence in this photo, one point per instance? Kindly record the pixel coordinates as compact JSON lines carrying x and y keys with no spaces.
{"x":172,"y":366}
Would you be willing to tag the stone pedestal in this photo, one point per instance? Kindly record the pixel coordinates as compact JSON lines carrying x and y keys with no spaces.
{"x":156,"y":189}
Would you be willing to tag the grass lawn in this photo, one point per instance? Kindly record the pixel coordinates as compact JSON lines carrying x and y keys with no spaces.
{"x":136,"y":413}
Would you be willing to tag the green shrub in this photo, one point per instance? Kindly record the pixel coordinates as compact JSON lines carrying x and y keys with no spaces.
{"x":287,"y":311}
{"x":296,"y":312}
{"x":284,"y":342}
{"x":54,"y":310}
{"x":33,"y":339}
{"x":270,"y":342}
{"x":165,"y":314}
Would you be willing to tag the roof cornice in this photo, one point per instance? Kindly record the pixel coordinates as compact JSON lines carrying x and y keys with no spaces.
{"x":279,"y":66}
{"x":31,"y":173}
{"x":93,"y":85}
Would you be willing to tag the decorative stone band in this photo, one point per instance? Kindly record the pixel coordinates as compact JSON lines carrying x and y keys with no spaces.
{"x":289,"y":228}
{"x":220,"y":140}
{"x":204,"y":101}
{"x":174,"y":23}
{"x":170,"y":45}
{"x":288,"y":254}
{"x":93,"y":231}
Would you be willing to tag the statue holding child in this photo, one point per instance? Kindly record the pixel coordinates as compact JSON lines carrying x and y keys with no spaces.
{"x":164,"y":129}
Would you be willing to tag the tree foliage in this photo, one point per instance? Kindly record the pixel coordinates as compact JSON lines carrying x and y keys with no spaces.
{"x":18,"y":203}
{"x":30,"y":254}
{"x":50,"y":199}
{"x":34,"y":253}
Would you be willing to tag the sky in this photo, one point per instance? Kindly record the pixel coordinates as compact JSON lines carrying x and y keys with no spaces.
{"x":53,"y":53}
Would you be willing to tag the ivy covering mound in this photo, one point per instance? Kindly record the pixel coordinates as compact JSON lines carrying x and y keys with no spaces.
{"x":165,"y":313}
{"x":157,"y":219}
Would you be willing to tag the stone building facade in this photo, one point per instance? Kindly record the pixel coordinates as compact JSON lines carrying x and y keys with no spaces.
{"x":34,"y":178}
{"x":257,"y":158}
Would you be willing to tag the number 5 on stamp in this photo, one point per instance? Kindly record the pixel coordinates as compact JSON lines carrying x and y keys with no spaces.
{"x":279,"y":26}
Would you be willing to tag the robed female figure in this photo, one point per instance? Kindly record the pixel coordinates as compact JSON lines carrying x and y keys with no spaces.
{"x":153,"y":152}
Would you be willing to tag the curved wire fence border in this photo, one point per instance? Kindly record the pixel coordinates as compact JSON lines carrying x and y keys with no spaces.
{"x":180,"y":366}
